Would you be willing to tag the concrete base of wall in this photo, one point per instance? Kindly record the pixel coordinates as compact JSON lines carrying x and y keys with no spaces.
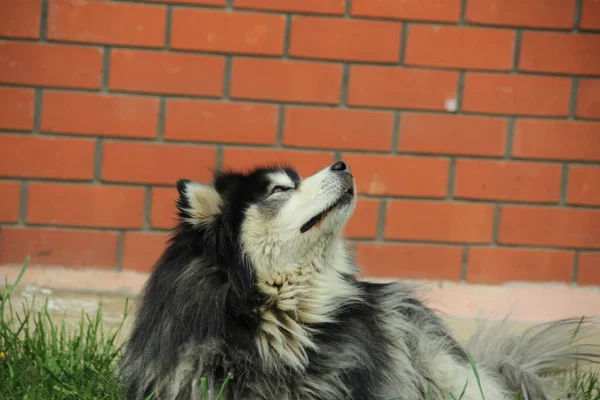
{"x":461,"y":305}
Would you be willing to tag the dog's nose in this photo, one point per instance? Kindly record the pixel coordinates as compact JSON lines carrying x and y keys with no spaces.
{"x":340,"y":166}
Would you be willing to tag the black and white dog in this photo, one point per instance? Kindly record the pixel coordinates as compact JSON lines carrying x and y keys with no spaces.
{"x":256,"y":282}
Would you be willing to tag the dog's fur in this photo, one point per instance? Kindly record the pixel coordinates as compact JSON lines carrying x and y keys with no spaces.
{"x":253,"y":285}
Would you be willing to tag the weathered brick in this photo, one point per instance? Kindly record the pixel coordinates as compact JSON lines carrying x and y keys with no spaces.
{"x":400,"y":176}
{"x":100,"y":114}
{"x":265,"y":79}
{"x":549,"y":226}
{"x":401,"y":88}
{"x":452,"y":134}
{"x":226,"y":32}
{"x":409,"y":261}
{"x":156,"y":162}
{"x":336,"y":128}
{"x":85,"y":205}
{"x":460,"y":47}
{"x":48,"y":64}
{"x":439,"y":221}
{"x":345,"y":39}
{"x":39,"y":157}
{"x":107,"y":22}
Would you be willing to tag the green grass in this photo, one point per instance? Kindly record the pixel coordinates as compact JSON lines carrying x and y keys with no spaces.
{"x":43,"y":359}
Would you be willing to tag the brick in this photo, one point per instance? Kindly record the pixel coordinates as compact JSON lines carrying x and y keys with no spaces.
{"x":142,"y":250}
{"x":16,"y":108}
{"x":226,"y":32}
{"x":588,"y":99}
{"x":527,"y":14}
{"x":21,"y":19}
{"x":39,"y":157}
{"x":193,"y":2}
{"x":306,"y":162}
{"x":589,"y":15}
{"x":85,"y":205}
{"x":345,"y":39}
{"x":409,"y":261}
{"x":336,"y":128}
{"x":589,"y":269}
{"x":571,"y":53}
{"x":516,"y":94}
{"x":100,"y":114}
{"x":106,"y":22}
{"x":452,"y":134}
{"x":549,"y":226}
{"x":46,"y":64}
{"x":363,"y":223}
{"x":163,"y":213}
{"x":264,"y":79}
{"x":495,"y":265}
{"x":401,"y":88}
{"x":584,"y":185}
{"x":398,"y":175}
{"x":562,"y":140}
{"x":145,"y":163}
{"x":439,"y":221}
{"x":222,"y":122}
{"x":59,"y":247}
{"x":10,"y":193}
{"x":460,"y":47}
{"x":169,"y":73}
{"x":507,"y":180}
{"x":335,"y":7}
{"x":420,"y":10}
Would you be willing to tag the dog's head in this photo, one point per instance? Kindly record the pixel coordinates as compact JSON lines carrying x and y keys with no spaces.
{"x":271,"y":215}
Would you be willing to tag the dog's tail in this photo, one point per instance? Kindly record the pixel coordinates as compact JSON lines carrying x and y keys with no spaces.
{"x":534,"y":361}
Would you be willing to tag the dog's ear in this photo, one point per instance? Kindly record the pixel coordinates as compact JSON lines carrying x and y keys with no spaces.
{"x":198,"y":203}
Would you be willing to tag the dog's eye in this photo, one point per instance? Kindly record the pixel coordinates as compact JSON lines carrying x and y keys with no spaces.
{"x":280,"y":189}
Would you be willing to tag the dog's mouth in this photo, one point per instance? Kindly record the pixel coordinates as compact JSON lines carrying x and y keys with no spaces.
{"x":346,"y":197}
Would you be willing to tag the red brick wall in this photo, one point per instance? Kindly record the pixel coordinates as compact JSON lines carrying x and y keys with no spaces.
{"x":473,"y":126}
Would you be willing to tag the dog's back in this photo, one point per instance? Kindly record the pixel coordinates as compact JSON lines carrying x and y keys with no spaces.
{"x":256,"y":282}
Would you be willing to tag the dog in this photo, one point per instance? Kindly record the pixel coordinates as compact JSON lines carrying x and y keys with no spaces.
{"x":256,"y":287}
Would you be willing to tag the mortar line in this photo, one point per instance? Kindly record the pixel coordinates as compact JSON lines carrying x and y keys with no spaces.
{"x":37,"y":110}
{"x":463,"y":12}
{"x":510,"y":135}
{"x":344,"y":86}
{"x":104,"y":87}
{"x":146,"y":226}
{"x":287,"y":36}
{"x":496,"y":224}
{"x":517,"y":51}
{"x":396,"y":126}
{"x":574,"y":94}
{"x":23,"y":203}
{"x":383,"y":205}
{"x":575,"y":276}
{"x":451,"y":179}
{"x":43,"y":21}
{"x":168,"y":27}
{"x":403,"y":42}
{"x":162,"y":116}
{"x":219,"y":158}
{"x":564,"y":184}
{"x":227,"y":77}
{"x":577,"y":15}
{"x":464,"y":268}
{"x":280,"y":127}
{"x":120,"y":250}
{"x":98,"y":161}
{"x":348,"y":8}
{"x":459,"y":93}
